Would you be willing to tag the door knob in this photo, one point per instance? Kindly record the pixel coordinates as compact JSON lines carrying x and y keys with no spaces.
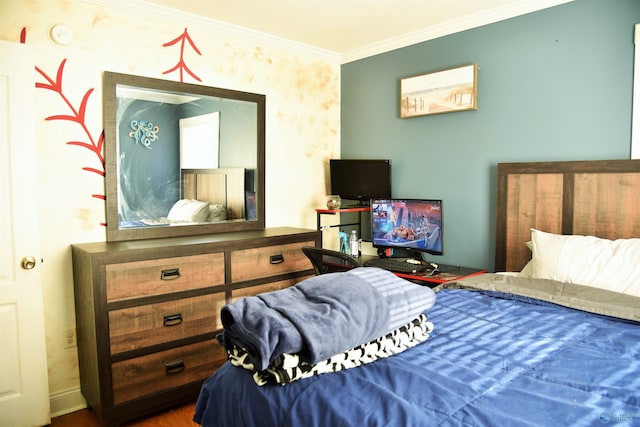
{"x":28,"y":262}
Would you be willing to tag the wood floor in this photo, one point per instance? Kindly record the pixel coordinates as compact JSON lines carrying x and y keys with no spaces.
{"x":177,"y":417}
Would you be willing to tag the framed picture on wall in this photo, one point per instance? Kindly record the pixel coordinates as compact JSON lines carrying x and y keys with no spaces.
{"x":444,"y":91}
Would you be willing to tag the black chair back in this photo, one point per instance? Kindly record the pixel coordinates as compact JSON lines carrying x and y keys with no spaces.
{"x":329,"y":261}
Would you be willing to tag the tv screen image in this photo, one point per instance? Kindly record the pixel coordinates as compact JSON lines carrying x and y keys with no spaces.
{"x":360,"y":180}
{"x":412,"y":224}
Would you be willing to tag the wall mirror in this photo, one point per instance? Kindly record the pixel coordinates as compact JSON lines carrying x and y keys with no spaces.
{"x":181,"y":159}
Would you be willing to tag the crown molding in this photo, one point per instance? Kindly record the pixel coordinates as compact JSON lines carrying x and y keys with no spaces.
{"x":152,"y":10}
{"x":454,"y":26}
{"x":268,"y":40}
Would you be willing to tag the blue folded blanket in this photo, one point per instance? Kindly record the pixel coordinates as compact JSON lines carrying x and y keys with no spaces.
{"x":322,"y":316}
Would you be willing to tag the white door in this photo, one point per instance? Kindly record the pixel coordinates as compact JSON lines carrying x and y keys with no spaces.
{"x":24,"y":388}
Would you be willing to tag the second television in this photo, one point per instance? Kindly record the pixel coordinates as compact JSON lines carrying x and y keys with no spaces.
{"x":411,"y":224}
{"x":360,"y":179}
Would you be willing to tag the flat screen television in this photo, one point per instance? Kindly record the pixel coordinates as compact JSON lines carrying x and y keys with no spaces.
{"x":360,"y":180}
{"x":411,"y":224}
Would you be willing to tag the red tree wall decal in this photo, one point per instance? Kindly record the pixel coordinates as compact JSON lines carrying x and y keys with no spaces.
{"x":77,"y":116}
{"x":181,"y":65}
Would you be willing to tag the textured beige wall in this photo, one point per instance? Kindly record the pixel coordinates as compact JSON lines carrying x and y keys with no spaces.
{"x":302,"y":123}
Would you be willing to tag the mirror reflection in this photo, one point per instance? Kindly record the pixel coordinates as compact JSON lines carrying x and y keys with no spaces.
{"x":188,"y":158}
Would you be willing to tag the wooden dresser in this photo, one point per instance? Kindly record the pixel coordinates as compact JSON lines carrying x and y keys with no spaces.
{"x":147,"y":312}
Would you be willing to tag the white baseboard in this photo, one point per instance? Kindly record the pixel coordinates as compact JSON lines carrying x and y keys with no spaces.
{"x":66,"y":401}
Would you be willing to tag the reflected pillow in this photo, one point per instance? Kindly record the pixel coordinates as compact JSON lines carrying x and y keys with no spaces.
{"x":587,"y":260}
{"x":217,"y":212}
{"x":185,"y":210}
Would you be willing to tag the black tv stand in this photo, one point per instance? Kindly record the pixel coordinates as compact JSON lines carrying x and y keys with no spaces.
{"x":417,"y":255}
{"x":403,"y":253}
{"x":362,"y":204}
{"x":360,"y":210}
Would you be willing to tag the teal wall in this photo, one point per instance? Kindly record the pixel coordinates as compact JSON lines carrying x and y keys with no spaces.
{"x":552,"y":85}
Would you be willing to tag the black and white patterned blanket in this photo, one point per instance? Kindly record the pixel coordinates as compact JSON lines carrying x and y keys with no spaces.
{"x":287,"y":368}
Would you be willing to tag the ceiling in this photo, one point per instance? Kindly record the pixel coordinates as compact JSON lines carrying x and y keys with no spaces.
{"x":345,"y":27}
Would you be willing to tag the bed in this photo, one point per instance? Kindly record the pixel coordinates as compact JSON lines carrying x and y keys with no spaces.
{"x":206,"y":196}
{"x":552,"y":339}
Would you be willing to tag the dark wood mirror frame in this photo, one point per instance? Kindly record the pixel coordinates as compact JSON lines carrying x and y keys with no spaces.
{"x":114,"y":231}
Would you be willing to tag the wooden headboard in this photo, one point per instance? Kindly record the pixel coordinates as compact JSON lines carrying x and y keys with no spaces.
{"x":598,"y":198}
{"x":217,"y":186}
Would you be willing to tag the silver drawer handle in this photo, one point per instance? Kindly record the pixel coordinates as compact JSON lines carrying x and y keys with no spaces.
{"x":170,"y":274}
{"x":172,"y":319}
{"x":174,"y":367}
{"x":276,"y":259}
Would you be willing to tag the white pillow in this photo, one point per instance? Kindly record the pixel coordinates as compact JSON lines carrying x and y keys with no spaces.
{"x":185,"y":210}
{"x":527,"y":270}
{"x":587,"y":260}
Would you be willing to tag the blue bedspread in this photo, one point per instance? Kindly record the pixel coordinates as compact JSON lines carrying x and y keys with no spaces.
{"x":490,"y":361}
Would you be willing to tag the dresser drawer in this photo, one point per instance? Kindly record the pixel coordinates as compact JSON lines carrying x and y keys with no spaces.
{"x":267,"y":287}
{"x":162,"y":276}
{"x":269,"y":261}
{"x":156,"y":372}
{"x":146,"y":325}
